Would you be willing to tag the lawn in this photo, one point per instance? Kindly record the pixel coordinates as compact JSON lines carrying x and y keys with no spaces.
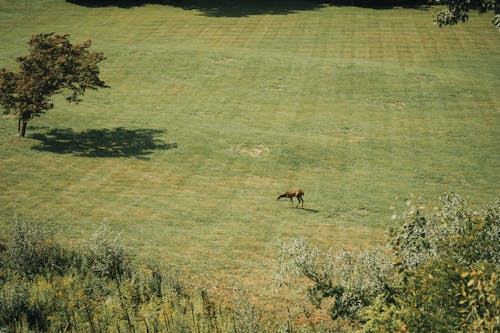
{"x":213,"y":109}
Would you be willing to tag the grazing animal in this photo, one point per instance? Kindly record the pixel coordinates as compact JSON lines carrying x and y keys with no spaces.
{"x":298,"y":193}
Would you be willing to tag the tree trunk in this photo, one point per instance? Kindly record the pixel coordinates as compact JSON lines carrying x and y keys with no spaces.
{"x":22,"y":128}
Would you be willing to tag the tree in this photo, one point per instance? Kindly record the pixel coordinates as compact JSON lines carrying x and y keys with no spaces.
{"x":54,"y":66}
{"x":458,"y":11}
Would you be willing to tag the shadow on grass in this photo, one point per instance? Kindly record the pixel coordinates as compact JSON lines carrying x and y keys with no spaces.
{"x":310,"y":210}
{"x":116,"y":142}
{"x":215,"y":8}
{"x":243,"y":8}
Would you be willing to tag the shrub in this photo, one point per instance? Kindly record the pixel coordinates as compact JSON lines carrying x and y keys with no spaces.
{"x":104,"y":255}
{"x":455,"y":231}
{"x":31,"y":249}
{"x":14,"y":300}
{"x":442,"y":278}
{"x":352,"y":280}
{"x":99,"y":289}
{"x":449,"y":261}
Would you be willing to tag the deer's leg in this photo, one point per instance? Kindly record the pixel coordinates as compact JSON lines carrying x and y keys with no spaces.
{"x":301,"y":201}
{"x":291,"y":201}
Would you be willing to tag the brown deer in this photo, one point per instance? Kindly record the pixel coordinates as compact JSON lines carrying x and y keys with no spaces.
{"x":298,"y":193}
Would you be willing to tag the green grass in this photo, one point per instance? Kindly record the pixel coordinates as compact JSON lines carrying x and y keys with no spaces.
{"x":212,"y":111}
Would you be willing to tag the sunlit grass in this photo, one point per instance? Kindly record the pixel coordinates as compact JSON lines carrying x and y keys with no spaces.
{"x":358,"y":107}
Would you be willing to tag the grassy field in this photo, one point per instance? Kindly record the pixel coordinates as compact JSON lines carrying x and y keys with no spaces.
{"x":214,"y":109}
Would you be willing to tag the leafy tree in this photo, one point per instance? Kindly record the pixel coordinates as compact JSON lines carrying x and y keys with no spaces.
{"x":458,"y":11}
{"x":53,"y":66}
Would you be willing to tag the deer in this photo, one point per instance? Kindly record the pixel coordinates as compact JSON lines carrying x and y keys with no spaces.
{"x":298,"y":193}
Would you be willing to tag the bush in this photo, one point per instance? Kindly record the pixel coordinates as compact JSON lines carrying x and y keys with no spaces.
{"x":104,"y":255}
{"x":442,"y":278}
{"x":14,"y":300}
{"x":352,"y":280}
{"x":455,"y":231}
{"x":31,"y":250}
{"x":449,"y":261}
{"x":97,"y":288}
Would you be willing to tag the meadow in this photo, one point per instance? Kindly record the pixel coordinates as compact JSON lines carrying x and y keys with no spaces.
{"x":213,"y":109}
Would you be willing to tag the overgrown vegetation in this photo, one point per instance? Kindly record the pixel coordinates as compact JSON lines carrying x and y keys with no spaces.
{"x":443,"y":276}
{"x":95,"y":287}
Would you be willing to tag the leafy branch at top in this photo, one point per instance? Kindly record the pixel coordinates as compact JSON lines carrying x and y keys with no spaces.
{"x":458,"y":11}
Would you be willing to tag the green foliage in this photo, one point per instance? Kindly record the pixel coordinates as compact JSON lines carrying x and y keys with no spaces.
{"x":53,"y":66}
{"x":496,"y":21}
{"x":14,"y":299}
{"x":458,"y":11}
{"x":455,"y":231}
{"x":443,"y":277}
{"x":352,"y":280}
{"x":104,"y":255}
{"x":381,"y":317}
{"x":449,"y":262}
{"x":478,"y":299}
{"x":32,"y":250}
{"x":103,"y":291}
{"x":441,"y":297}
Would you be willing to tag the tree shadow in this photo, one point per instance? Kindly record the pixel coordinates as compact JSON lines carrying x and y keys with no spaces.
{"x":116,"y":142}
{"x":215,"y":8}
{"x":382,"y":4}
{"x":243,"y":8}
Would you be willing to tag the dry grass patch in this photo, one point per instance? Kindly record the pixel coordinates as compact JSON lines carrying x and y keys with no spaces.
{"x":250,"y":151}
{"x":327,"y":68}
{"x":224,"y":60}
{"x":396,"y":105}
